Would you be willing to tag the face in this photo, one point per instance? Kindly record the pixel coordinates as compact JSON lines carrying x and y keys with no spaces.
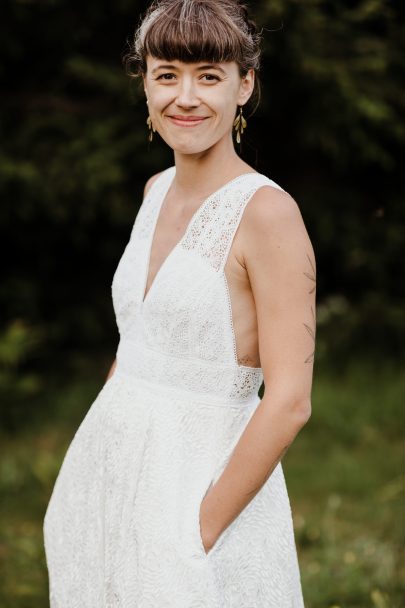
{"x":204,"y":93}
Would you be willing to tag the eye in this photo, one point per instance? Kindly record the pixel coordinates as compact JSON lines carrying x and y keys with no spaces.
{"x":212,"y":76}
{"x":165,"y":74}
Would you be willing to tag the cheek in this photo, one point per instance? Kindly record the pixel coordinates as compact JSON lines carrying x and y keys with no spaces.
{"x":227,"y":111}
{"x":220,"y":103}
{"x":226,"y":101}
{"x":159,"y":98}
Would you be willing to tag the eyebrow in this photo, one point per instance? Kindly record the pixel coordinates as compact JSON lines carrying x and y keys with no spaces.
{"x":170,"y":66}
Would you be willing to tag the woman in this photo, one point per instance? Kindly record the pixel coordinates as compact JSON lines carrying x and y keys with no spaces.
{"x":172,"y":493}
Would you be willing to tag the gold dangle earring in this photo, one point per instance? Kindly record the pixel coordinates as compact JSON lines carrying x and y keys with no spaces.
{"x":151,"y":128}
{"x":240,"y":124}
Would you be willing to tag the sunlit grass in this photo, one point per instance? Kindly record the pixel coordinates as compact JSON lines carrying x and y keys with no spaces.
{"x":344,"y":474}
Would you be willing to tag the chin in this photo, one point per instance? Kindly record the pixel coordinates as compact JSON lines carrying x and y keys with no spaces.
{"x":192,"y":145}
{"x":189,"y":149}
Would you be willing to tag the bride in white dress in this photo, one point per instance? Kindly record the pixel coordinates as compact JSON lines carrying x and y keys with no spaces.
{"x":171,"y":493}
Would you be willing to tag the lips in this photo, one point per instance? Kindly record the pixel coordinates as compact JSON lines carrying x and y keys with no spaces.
{"x":187,"y":121}
{"x":180,"y":117}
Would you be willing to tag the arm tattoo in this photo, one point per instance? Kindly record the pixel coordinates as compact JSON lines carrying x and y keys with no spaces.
{"x":270,"y":470}
{"x":311,"y":277}
{"x":311,"y":330}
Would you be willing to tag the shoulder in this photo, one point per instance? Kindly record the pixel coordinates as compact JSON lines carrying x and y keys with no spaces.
{"x":272,"y":220}
{"x":271,"y":210}
{"x":269,"y":207}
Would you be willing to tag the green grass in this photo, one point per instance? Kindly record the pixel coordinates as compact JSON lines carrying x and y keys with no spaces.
{"x":344,"y":474}
{"x":346,"y":481}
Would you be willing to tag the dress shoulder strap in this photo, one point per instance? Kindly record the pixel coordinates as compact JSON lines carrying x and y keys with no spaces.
{"x":215,"y":226}
{"x":149,"y":208}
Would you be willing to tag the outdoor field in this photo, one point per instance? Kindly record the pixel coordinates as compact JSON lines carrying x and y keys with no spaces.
{"x":344,"y":472}
{"x":74,"y":160}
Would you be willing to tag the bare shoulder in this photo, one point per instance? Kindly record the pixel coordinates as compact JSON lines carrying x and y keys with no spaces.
{"x":150,"y":182}
{"x":269,"y":208}
{"x":273,"y":220}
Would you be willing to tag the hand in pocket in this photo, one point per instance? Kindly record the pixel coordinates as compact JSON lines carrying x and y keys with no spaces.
{"x":207,"y":537}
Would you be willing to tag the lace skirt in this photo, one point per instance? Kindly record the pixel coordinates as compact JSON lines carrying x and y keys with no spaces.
{"x":122,"y":529}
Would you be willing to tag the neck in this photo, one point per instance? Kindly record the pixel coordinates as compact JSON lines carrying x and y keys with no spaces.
{"x":197,"y":175}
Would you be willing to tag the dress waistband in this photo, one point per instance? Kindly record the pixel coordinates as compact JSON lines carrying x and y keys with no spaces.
{"x":193,"y":381}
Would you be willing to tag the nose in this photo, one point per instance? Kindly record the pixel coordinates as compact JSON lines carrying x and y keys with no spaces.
{"x":187,"y":95}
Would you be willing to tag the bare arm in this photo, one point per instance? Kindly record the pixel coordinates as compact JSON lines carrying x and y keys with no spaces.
{"x":280,"y":262}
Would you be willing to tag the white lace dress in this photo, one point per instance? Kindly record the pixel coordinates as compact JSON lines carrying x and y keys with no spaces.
{"x":121,"y":528}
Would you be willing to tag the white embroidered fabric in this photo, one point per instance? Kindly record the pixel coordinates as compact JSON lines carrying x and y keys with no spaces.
{"x":122,"y":525}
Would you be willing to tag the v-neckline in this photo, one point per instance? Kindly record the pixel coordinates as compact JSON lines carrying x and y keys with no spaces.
{"x":162,"y":195}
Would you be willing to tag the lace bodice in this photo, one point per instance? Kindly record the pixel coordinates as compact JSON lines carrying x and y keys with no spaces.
{"x":182,"y":333}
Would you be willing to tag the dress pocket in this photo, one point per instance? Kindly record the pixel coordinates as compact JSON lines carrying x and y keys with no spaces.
{"x":190,"y":524}
{"x":195,"y":528}
{"x":196,"y":522}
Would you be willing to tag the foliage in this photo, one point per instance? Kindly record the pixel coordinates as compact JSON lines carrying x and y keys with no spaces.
{"x":75,"y":158}
{"x":19,"y":382}
{"x":73,"y":162}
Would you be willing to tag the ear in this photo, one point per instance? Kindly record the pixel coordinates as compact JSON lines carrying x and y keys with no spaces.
{"x":246,"y":87}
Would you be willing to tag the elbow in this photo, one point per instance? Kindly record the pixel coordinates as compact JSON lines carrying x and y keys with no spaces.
{"x":301,"y":412}
{"x":295,"y":412}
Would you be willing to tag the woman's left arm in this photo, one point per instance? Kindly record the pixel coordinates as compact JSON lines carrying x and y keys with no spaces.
{"x":280,"y":263}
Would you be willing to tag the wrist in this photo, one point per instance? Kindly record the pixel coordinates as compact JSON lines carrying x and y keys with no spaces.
{"x":208,"y":525}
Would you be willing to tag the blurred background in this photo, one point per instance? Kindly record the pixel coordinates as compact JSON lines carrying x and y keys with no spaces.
{"x":74,"y":158}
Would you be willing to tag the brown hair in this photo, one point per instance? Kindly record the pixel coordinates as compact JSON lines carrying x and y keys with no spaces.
{"x":194,"y":31}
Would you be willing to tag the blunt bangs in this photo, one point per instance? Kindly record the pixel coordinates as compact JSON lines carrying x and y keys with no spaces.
{"x":202,"y":37}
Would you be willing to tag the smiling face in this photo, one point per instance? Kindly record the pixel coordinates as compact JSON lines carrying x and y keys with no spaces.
{"x":193,"y":105}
